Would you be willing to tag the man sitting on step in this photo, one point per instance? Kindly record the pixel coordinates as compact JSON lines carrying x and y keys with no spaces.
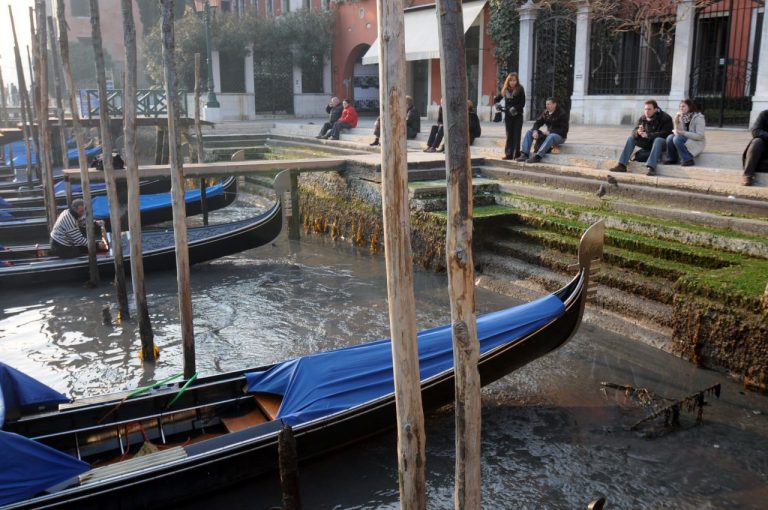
{"x":755,"y":158}
{"x":333,"y":109}
{"x":555,"y":121}
{"x":653,"y":128}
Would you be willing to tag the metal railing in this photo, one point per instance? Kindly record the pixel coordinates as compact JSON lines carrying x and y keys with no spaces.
{"x":149,"y":103}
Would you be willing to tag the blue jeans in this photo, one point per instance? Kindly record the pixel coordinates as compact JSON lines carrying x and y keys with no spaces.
{"x":659,"y":146}
{"x":675,"y":147}
{"x":544,"y":146}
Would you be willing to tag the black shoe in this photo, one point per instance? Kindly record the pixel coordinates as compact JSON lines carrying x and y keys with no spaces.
{"x":522,"y":157}
{"x":747,"y":180}
{"x":375,"y":143}
{"x":319,"y":137}
{"x":688,"y":162}
{"x":651,"y":171}
{"x":670,"y":161}
{"x":534,"y":159}
{"x":618,"y":168}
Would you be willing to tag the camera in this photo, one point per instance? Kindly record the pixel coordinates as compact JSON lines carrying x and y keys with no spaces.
{"x":512,"y":111}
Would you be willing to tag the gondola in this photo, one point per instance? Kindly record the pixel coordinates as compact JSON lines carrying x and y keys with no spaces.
{"x":219,"y":430}
{"x":154,"y":209}
{"x":205,"y":243}
{"x":33,"y":197}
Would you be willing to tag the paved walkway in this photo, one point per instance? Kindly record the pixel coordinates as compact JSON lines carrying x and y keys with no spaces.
{"x":719,"y":140}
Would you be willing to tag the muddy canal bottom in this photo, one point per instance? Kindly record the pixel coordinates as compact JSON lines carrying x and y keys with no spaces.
{"x":552,"y":437}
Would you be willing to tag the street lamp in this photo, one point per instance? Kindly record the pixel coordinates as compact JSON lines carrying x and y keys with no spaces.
{"x":204,"y":7}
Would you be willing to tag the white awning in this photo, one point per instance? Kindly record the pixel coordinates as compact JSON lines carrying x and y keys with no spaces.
{"x":421,"y":36}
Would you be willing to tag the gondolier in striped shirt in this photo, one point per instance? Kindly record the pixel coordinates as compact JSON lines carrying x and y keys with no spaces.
{"x":68,"y":237}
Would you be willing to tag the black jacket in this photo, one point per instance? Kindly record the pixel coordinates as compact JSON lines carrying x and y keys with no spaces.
{"x":412,"y":123}
{"x":760,"y":128}
{"x":474,"y":125}
{"x":516,"y":100}
{"x":557,"y":122}
{"x":334,"y":112}
{"x":658,"y":126}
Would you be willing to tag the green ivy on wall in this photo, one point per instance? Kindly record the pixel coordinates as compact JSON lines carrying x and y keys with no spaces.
{"x":504,"y":30}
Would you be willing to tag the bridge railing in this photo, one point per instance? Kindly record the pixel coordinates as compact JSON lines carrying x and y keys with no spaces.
{"x":149,"y":103}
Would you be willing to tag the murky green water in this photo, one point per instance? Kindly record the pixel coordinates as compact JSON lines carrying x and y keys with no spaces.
{"x":551,"y":437}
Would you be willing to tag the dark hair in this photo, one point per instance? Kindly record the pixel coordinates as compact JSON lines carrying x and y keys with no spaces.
{"x":691,"y":105}
{"x":552,"y":99}
{"x":347,"y":101}
{"x":653,"y":103}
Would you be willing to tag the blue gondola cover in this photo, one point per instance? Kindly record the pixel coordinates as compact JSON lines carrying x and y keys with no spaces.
{"x":154,"y":201}
{"x":30,"y":467}
{"x":322,"y":384}
{"x":18,"y":390}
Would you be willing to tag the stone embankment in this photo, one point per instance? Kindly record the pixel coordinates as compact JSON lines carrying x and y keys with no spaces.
{"x":686,"y":259}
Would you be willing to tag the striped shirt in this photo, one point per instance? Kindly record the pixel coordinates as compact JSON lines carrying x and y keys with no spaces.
{"x":67,"y":231}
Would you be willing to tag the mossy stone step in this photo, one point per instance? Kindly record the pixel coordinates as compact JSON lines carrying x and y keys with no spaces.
{"x":439,"y":203}
{"x":439,"y":188}
{"x":627,"y":259}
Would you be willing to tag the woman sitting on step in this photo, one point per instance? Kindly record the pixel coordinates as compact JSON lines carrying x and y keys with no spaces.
{"x":687,"y":139}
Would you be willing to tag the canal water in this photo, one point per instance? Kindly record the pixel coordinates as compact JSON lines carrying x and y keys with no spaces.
{"x":552,"y":436}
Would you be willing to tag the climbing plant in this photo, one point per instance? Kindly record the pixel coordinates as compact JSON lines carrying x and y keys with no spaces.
{"x":504,"y":30}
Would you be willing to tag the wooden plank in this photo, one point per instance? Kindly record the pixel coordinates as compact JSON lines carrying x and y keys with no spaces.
{"x":399,"y":259}
{"x":223,"y":168}
{"x":269,"y":404}
{"x":249,"y":419}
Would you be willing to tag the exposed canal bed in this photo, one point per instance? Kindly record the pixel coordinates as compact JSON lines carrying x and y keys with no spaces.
{"x":552,"y":437}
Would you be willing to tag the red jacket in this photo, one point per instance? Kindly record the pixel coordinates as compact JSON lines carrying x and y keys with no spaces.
{"x":349,"y":116}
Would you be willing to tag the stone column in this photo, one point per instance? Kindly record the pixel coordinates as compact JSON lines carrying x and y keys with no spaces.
{"x":760,"y":99}
{"x":528,"y":14}
{"x":213,"y":114}
{"x":216,"y":64}
{"x":250,"y":83}
{"x":581,"y":62}
{"x":685,"y":27}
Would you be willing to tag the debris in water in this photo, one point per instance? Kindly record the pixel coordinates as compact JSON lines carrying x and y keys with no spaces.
{"x":665,"y":412}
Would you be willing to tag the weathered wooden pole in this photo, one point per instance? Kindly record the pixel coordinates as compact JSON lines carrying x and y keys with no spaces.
{"x":23,"y":98}
{"x":44,"y":156}
{"x":132,"y":176}
{"x":294,"y":220}
{"x":461,"y":279}
{"x":177,"y":193}
{"x":79,"y":132}
{"x":57,"y":88}
{"x":106,"y":156}
{"x":3,"y":104}
{"x":399,"y":260}
{"x":199,"y":136}
{"x":288,"y":458}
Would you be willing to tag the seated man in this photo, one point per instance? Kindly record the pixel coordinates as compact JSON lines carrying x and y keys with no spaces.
{"x":653,"y":128}
{"x":556,"y":122}
{"x":436,"y":132}
{"x":755,"y":158}
{"x":412,"y":122}
{"x":68,"y":238}
{"x":333,"y":109}
{"x":348,"y":120}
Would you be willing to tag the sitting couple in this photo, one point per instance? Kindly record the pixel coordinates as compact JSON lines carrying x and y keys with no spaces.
{"x":341,"y":116}
{"x":682,"y":138}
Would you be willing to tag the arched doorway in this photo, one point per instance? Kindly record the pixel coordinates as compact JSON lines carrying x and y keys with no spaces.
{"x":363,"y":83}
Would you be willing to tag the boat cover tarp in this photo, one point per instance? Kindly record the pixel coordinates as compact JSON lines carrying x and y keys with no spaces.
{"x":20,"y":158}
{"x":321,"y":384}
{"x":60,"y":188}
{"x":18,"y":390}
{"x":30,"y":467}
{"x":154,"y":201}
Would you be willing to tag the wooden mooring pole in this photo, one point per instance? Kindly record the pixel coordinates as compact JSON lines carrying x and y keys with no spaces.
{"x":132,"y":176}
{"x":177,"y":193}
{"x":26,"y":122}
{"x":288,"y":458}
{"x":461,"y":278}
{"x":398,"y":256}
{"x":294,"y":219}
{"x":77,"y":129}
{"x":106,"y":156}
{"x":44,"y":156}
{"x":59,"y":101}
{"x":3,"y":104}
{"x":199,"y":136}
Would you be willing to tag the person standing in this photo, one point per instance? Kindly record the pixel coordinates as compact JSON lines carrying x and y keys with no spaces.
{"x":556,"y":122}
{"x":511,"y":103}
{"x":755,"y":158}
{"x":653,"y":128}
{"x":347,"y":120}
{"x":333,"y":109}
{"x":687,"y":139}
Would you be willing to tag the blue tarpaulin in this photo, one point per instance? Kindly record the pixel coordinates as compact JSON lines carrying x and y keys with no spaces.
{"x":20,"y":157}
{"x":29,"y":467}
{"x":18,"y":390}
{"x":60,"y":188}
{"x":154,"y":201}
{"x":322,"y":384}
